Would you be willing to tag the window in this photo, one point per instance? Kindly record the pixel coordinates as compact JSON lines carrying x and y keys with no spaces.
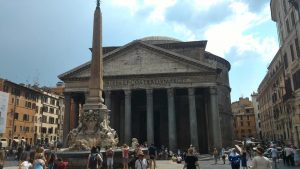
{"x":45,"y":109}
{"x":242,"y":124}
{"x":16,"y":91}
{"x":296,"y":80}
{"x":285,"y":59}
{"x":35,"y":129}
{"x":44,"y":130}
{"x":242,"y":131}
{"x":33,"y":106}
{"x":297,"y":47}
{"x":248,"y":123}
{"x":6,"y":88}
{"x":293,"y":18}
{"x":44,"y":119}
{"x":52,"y":110}
{"x":247,"y":117}
{"x":287,"y":26}
{"x":292,"y":52}
{"x":241,"y":117}
{"x":26,"y":117}
{"x":28,"y":104}
{"x":52,"y":101}
{"x":51,"y":120}
{"x":16,"y":115}
{"x":50,"y":130}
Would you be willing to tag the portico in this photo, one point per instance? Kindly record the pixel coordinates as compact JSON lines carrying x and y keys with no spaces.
{"x":158,"y":96}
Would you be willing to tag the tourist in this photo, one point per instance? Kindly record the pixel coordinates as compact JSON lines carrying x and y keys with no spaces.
{"x":51,"y":164}
{"x":141,"y":162}
{"x":39,"y":162}
{"x":93,"y":159}
{"x":24,"y":162}
{"x":244,"y":159}
{"x":191,"y":161}
{"x":288,"y":155}
{"x":26,"y":153}
{"x":216,"y":155}
{"x":2,"y":158}
{"x":260,"y":162}
{"x":223,"y":155}
{"x":19,"y":152}
{"x":234,"y":159}
{"x":153,"y":155}
{"x":125,"y":156}
{"x":274,"y":154}
{"x":109,"y":158}
{"x":61,"y":164}
{"x":100,"y":162}
{"x":179,"y":159}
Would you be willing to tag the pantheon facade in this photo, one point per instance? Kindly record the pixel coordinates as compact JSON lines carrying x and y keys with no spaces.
{"x":160,"y":90}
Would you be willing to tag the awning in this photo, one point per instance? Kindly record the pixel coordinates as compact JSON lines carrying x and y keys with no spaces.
{"x":23,"y":140}
{"x":16,"y":140}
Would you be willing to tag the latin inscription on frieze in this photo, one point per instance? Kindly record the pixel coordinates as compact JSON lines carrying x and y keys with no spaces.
{"x":136,"y":83}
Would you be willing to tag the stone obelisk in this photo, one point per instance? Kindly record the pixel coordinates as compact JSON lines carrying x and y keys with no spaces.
{"x":94,"y":126}
{"x":95,"y":100}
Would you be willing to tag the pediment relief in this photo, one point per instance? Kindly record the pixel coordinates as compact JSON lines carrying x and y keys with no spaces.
{"x":141,"y":59}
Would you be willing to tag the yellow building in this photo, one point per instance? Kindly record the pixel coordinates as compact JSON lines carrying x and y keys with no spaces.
{"x":22,"y":106}
{"x":243,"y":119}
{"x":279,"y":92}
{"x":36,"y":114}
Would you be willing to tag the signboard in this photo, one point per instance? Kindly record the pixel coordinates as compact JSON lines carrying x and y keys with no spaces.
{"x":3,"y":110}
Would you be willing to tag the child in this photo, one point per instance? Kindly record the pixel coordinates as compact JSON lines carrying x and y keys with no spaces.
{"x":61,"y":164}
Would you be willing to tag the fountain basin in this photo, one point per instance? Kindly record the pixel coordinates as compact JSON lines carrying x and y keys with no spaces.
{"x":78,"y":159}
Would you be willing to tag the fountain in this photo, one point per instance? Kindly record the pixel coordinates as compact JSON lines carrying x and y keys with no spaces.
{"x":93,"y":128}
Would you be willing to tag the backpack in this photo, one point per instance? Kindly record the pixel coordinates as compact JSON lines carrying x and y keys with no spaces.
{"x":93,"y":161}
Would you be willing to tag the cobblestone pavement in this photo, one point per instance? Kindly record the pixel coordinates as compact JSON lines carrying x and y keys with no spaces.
{"x":164,"y":164}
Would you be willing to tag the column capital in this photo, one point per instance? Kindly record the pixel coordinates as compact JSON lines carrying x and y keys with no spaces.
{"x":213,"y":90}
{"x":127,"y":92}
{"x":107,"y":92}
{"x":191,"y":91}
{"x":170,"y":91}
{"x":149,"y":91}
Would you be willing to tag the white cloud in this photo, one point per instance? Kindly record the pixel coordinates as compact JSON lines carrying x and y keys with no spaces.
{"x":205,"y":5}
{"x":184,"y":31}
{"x":158,"y":7}
{"x":132,"y":5}
{"x":232,"y":33}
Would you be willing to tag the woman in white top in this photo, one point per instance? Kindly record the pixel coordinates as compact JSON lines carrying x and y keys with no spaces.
{"x":261,"y":162}
{"x":141,"y":162}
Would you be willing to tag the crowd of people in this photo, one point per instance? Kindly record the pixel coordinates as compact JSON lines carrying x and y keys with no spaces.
{"x":38,"y":158}
{"x":264,"y":159}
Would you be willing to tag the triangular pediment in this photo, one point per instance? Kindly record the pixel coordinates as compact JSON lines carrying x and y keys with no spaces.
{"x":138,"y":58}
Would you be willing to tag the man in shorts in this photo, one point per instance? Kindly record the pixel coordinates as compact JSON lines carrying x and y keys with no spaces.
{"x":152,"y":154}
{"x":109,"y":158}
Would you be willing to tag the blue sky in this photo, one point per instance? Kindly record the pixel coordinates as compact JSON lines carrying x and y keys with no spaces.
{"x":40,"y":39}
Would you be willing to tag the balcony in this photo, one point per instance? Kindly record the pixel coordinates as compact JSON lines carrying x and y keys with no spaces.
{"x":288,"y":96}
